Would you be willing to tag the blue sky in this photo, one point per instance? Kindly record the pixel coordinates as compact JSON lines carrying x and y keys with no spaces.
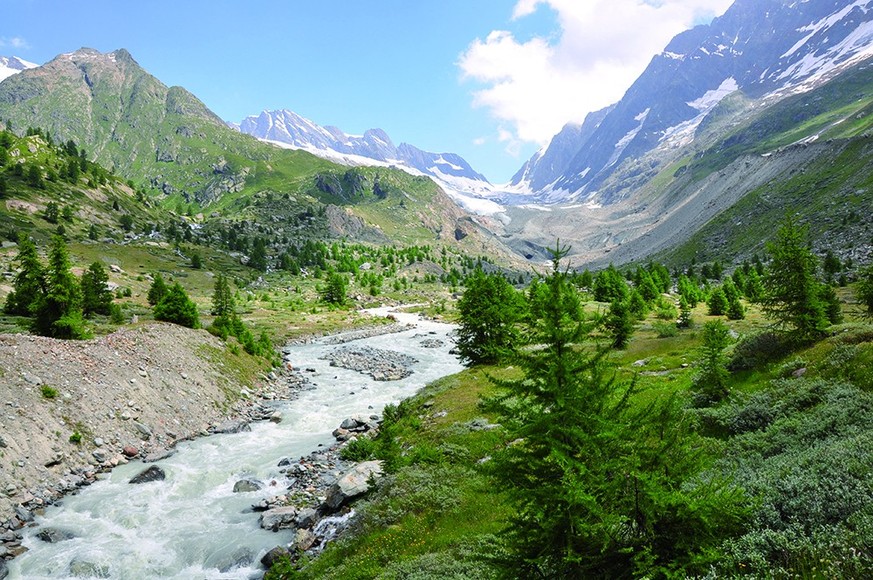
{"x":490,"y":80}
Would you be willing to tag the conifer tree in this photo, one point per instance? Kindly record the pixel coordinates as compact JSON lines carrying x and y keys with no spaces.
{"x":29,"y":282}
{"x":791,"y":290}
{"x":489,"y":310}
{"x":717,"y":302}
{"x":596,"y":489}
{"x":58,"y":312}
{"x":223,"y":303}
{"x":864,"y":290}
{"x":619,"y":322}
{"x":711,"y":384}
{"x":157,"y":290}
{"x":96,"y":297}
{"x":684,"y":320}
{"x":177,"y":307}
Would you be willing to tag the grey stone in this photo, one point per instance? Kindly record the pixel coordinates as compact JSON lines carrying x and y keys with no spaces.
{"x":274,"y":556}
{"x":279,"y":518}
{"x":23,"y":514}
{"x":304,"y":539}
{"x":99,"y":455}
{"x":54,"y":535}
{"x":85,"y":569}
{"x":307,"y":518}
{"x":245,"y":485}
{"x":349,"y":423}
{"x":144,"y":432}
{"x":240,"y":558}
{"x":4,"y":571}
{"x":153,"y":473}
{"x":353,"y":483}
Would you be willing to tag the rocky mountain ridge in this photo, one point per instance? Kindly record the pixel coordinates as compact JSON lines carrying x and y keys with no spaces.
{"x":765,"y":49}
{"x":374,"y":147}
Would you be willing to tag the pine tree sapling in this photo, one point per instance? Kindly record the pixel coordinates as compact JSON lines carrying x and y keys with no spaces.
{"x":711,"y":384}
{"x":157,"y":290}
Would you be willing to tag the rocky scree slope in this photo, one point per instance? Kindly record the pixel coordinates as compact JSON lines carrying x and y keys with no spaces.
{"x":130,"y":393}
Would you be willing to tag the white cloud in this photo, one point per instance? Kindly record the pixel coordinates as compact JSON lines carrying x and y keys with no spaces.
{"x":14,"y":42}
{"x":535,"y":86}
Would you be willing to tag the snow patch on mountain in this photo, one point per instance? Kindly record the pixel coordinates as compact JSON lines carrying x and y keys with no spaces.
{"x":10,"y":65}
{"x":711,"y":98}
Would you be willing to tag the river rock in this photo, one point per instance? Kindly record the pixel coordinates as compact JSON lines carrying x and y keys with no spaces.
{"x":153,"y":473}
{"x":23,"y":514}
{"x":85,"y":569}
{"x":245,"y":485}
{"x":54,"y":535}
{"x":130,"y":451}
{"x":4,"y":571}
{"x":274,"y":556}
{"x":144,"y":432}
{"x":304,"y":539}
{"x":307,"y":517}
{"x":241,"y":557}
{"x":353,"y":483}
{"x":231,"y":426}
{"x":280,"y":518}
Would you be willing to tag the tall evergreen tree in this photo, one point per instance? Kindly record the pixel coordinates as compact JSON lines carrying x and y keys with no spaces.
{"x":29,"y":282}
{"x":791,"y":290}
{"x":596,"y":489}
{"x":58,"y":312}
{"x":489,"y":311}
{"x":96,"y":296}
{"x":864,"y":290}
{"x":619,"y":322}
{"x":223,"y":303}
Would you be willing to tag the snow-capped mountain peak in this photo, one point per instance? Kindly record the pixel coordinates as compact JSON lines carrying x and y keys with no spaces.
{"x":374,"y":147}
{"x":10,"y":65}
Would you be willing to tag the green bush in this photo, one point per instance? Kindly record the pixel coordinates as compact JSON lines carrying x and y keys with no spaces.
{"x":76,"y":437}
{"x":665,"y":329}
{"x":48,"y":392}
{"x":757,"y":350}
{"x":359,"y":449}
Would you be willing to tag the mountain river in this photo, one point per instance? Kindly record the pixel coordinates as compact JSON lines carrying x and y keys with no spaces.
{"x":192,"y":525}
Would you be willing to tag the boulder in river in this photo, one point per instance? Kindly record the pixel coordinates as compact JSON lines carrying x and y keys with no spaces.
{"x":353,"y":483}
{"x":54,"y":535}
{"x":274,"y":556}
{"x":280,"y":518}
{"x":245,"y":485}
{"x":85,"y":569}
{"x":4,"y":571}
{"x":240,"y":558}
{"x":153,"y":473}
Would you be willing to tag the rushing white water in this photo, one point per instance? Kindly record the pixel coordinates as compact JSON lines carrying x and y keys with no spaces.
{"x":192,"y":526}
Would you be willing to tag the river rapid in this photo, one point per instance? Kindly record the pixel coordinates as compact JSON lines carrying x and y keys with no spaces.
{"x":192,"y":525}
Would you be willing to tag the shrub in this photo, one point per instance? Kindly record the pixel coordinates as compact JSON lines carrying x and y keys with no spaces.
{"x":76,"y":437}
{"x":665,"y":329}
{"x":359,"y":449}
{"x":757,"y":350}
{"x":48,"y":392}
